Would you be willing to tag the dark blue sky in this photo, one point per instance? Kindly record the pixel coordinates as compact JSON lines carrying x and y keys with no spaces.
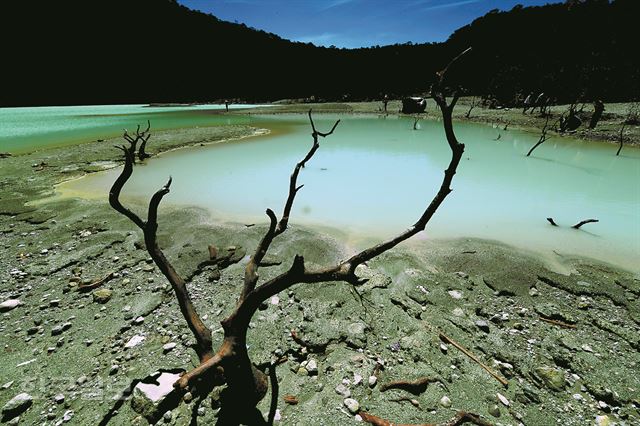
{"x":356,"y":23}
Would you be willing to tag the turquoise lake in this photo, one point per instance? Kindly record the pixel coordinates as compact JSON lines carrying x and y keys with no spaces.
{"x":375,"y":176}
{"x":31,"y":128}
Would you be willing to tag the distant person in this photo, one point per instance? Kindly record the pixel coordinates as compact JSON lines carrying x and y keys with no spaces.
{"x":226,"y":105}
{"x":527,"y":102}
{"x":385,"y":101}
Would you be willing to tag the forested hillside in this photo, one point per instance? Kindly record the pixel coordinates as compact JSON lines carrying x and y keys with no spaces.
{"x":120,"y":51}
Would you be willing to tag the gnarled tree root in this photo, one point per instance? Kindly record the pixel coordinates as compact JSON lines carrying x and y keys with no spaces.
{"x":415,"y":387}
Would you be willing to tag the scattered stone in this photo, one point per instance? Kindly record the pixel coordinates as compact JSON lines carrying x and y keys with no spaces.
{"x":445,"y":401}
{"x":341,"y":389}
{"x":16,"y":406}
{"x":357,"y":379}
{"x":114,"y":369}
{"x":169,"y":347}
{"x":482,"y":325}
{"x":553,"y":378}
{"x":188,"y":397}
{"x":59,"y":398}
{"x":102,"y":295}
{"x":82,"y":380}
{"x":372,"y":381}
{"x":458,"y":312}
{"x":352,"y":405}
{"x":494,"y":410}
{"x":356,"y":335}
{"x":167,"y":416}
{"x":134,"y":341}
{"x":138,"y":320}
{"x":503,"y":399}
{"x":603,"y":421}
{"x":9,"y":305}
{"x":68,"y":415}
{"x":312,"y":367}
{"x":456,"y":294}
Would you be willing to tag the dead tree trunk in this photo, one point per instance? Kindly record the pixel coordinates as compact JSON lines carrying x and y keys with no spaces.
{"x":416,"y":118}
{"x":474,"y":104}
{"x":230,"y":363}
{"x":621,"y":137}
{"x":543,"y":137}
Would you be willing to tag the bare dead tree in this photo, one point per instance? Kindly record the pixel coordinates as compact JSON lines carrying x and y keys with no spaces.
{"x":621,"y":137}
{"x":543,"y":136}
{"x":577,"y":225}
{"x":230,"y":363}
{"x":142,"y":137}
{"x":416,"y":118}
{"x":474,"y":103}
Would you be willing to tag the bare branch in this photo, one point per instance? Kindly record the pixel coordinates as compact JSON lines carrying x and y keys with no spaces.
{"x":543,"y":136}
{"x":116,"y":188}
{"x":584,"y":222}
{"x":251,"y":270}
{"x":293,"y":188}
{"x":551,"y":221}
{"x":199,"y":329}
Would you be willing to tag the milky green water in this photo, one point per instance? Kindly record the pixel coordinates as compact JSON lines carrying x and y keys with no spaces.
{"x":31,"y":128}
{"x":375,"y":176}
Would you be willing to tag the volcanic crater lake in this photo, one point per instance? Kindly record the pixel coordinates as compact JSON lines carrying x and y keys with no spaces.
{"x":374,"y":177}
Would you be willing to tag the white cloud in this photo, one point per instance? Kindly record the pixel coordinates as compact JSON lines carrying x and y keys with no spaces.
{"x":448,"y":5}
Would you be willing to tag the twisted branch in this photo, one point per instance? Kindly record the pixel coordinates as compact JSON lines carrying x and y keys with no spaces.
{"x":149,"y":228}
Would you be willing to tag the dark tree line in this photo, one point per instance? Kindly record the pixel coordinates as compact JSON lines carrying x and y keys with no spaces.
{"x":119,"y":51}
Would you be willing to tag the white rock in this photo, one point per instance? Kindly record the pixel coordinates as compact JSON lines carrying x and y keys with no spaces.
{"x":134,"y":341}
{"x":455,"y":294}
{"x":357,"y":379}
{"x":503,"y":399}
{"x":372,"y":381}
{"x":169,"y":346}
{"x":312,"y":366}
{"x":341,"y":389}
{"x":352,"y":405}
{"x":445,"y":401}
{"x":10,"y":304}
{"x":277,"y":417}
{"x":275,"y":300}
{"x":458,"y":312}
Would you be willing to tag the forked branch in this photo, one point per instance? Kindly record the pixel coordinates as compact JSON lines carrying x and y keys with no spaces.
{"x":149,"y":228}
